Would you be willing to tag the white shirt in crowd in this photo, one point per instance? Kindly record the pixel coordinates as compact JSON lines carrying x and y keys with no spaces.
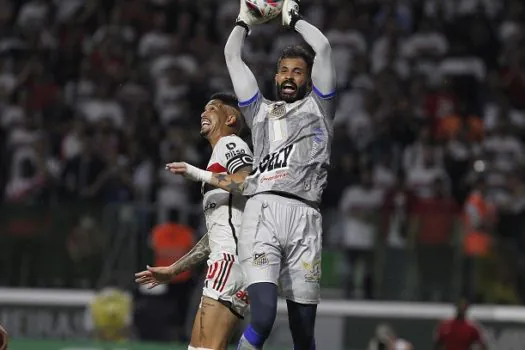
{"x":357,"y":200}
{"x":421,"y":180}
{"x":97,"y":109}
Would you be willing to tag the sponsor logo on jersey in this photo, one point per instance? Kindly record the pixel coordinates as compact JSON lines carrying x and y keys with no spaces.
{"x":260,"y":259}
{"x":234,"y":153}
{"x":275,"y":161}
{"x":278,"y":176}
{"x":209,"y":206}
{"x":242,"y":295}
{"x":313,"y":271}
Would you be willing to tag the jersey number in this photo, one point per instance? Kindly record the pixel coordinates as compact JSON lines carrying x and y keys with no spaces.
{"x":278,"y":132}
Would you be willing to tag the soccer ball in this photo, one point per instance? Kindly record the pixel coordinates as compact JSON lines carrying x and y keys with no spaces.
{"x":264,"y":10}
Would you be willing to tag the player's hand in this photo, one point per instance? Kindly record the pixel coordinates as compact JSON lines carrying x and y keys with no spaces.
{"x":188,"y":171}
{"x":179,"y":168}
{"x":3,"y":338}
{"x":290,"y":13}
{"x":155,"y":276}
{"x":244,"y":15}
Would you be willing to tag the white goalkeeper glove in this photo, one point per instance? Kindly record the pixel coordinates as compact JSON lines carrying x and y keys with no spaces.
{"x":291,"y":13}
{"x":246,"y":19}
{"x":189,"y":171}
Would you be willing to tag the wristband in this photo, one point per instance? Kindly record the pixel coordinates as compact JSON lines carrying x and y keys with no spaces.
{"x":243,"y":24}
{"x":197,"y":174}
{"x":295,"y":17}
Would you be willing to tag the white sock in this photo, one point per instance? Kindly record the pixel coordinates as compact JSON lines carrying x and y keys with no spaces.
{"x":192,"y":348}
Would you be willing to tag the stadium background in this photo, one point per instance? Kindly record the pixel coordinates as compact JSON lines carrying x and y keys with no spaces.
{"x":425,"y":200}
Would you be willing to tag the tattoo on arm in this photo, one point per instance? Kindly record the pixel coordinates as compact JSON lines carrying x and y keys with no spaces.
{"x":233,"y":183}
{"x":198,"y":253}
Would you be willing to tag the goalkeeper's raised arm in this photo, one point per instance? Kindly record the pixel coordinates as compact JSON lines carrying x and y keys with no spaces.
{"x":243,"y":80}
{"x":323,"y":71}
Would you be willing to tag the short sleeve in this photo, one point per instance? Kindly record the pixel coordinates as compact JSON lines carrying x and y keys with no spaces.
{"x":234,"y":154}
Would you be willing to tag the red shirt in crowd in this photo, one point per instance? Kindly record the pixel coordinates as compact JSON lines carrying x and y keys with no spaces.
{"x":436,"y":219}
{"x":458,"y":334}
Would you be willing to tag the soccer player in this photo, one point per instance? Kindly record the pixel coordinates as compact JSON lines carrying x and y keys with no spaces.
{"x":280,"y":242}
{"x":458,"y":333}
{"x":224,"y":300}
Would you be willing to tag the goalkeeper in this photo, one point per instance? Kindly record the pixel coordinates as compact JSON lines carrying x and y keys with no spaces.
{"x":280,"y":239}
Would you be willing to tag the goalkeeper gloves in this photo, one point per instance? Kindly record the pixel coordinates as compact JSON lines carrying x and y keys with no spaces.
{"x":291,"y":13}
{"x":246,"y":19}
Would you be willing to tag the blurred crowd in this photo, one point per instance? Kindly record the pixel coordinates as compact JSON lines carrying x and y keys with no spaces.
{"x":96,"y":96}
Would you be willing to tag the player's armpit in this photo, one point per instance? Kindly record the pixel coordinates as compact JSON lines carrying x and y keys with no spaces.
{"x":233,"y":183}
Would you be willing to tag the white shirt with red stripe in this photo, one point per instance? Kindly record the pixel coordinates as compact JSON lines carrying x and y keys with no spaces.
{"x":223,"y":210}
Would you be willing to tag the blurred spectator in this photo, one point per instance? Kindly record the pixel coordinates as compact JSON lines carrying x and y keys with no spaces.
{"x":81,"y":171}
{"x":160,"y":313}
{"x":422,"y":179}
{"x":385,"y":338}
{"x":359,"y":205}
{"x":458,"y":333}
{"x":432,"y":230}
{"x":478,"y":223}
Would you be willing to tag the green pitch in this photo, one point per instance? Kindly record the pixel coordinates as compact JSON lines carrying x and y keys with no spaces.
{"x":26,"y":344}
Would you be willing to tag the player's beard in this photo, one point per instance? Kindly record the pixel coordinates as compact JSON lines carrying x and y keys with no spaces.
{"x":300,"y":92}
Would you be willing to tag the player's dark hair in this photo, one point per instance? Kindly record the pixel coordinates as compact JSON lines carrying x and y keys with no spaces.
{"x":298,"y":51}
{"x":229,"y":99}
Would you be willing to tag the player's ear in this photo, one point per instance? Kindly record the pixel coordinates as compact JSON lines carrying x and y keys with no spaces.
{"x":231,"y":120}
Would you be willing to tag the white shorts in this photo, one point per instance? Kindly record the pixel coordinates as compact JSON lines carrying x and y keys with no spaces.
{"x":225,"y":282}
{"x":280,"y":242}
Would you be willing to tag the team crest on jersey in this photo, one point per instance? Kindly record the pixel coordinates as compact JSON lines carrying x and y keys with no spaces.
{"x":260,"y":259}
{"x":313,"y":271}
{"x":278,"y":110}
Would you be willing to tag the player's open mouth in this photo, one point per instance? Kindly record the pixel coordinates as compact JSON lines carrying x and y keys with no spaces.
{"x":205,"y":122}
{"x":289,"y":88}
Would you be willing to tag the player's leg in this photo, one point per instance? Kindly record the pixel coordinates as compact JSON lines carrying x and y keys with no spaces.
{"x":195,"y":331}
{"x":301,"y":318}
{"x":217,"y":323}
{"x":263,"y":310}
{"x":260,"y":256}
{"x":224,"y":301}
{"x":301,"y":275}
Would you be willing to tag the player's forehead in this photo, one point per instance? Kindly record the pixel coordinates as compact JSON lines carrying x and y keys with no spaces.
{"x":215,"y":102}
{"x":293,"y":62}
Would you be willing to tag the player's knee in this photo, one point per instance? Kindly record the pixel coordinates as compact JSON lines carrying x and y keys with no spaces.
{"x":263,"y":301}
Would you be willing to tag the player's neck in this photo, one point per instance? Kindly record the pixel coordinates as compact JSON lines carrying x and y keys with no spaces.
{"x":213,"y":139}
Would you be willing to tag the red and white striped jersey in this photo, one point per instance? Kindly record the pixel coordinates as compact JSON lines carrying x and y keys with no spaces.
{"x":223,"y":210}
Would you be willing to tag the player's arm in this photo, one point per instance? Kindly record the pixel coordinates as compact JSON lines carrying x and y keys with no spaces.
{"x":154,"y":276}
{"x":234,"y":156}
{"x":243,"y":80}
{"x":195,"y":256}
{"x":323,"y":70}
{"x":233,"y":182}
